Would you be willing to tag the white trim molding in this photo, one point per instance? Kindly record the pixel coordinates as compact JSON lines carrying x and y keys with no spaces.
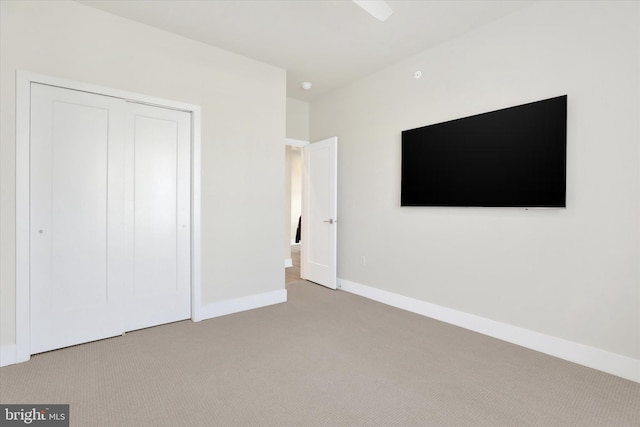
{"x":24,"y":79}
{"x":295,"y":142}
{"x":611,"y":363}
{"x":237,"y":305}
{"x":288,"y":262}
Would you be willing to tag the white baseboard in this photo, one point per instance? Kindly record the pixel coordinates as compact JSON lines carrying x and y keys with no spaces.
{"x":237,"y":305}
{"x":611,"y":363}
{"x":8,"y":355}
{"x":288,"y":263}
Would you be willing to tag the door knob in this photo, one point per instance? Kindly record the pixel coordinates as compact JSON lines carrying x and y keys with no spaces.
{"x":330,"y":221}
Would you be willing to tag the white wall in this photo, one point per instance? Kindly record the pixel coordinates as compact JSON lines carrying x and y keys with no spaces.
{"x":243,"y":128}
{"x":569,"y":273}
{"x":297,"y":119}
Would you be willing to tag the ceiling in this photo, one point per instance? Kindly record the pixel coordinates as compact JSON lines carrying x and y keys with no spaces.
{"x":329,"y":43}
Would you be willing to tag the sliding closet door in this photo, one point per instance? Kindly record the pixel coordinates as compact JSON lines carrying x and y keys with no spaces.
{"x":76,"y":206}
{"x":109,"y":214}
{"x":158,"y":201}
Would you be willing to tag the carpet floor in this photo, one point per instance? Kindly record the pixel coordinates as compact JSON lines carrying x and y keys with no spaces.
{"x":324,"y":358}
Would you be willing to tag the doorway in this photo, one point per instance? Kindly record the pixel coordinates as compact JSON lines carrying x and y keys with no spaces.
{"x":293,"y":209}
{"x":317,"y":224}
{"x":292,"y":272}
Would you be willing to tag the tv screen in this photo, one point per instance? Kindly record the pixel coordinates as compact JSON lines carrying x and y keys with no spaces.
{"x":514,"y":157}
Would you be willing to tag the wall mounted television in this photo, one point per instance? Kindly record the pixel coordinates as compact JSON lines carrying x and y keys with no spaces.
{"x":513,"y":157}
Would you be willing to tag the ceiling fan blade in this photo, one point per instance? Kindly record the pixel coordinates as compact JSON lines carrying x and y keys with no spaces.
{"x":379,"y":9}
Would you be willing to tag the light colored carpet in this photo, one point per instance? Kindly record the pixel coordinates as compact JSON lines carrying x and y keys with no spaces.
{"x":325,"y":358}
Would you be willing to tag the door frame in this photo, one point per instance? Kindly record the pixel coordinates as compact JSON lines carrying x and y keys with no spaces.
{"x":24,"y":79}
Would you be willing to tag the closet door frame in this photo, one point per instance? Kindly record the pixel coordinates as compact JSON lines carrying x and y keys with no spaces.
{"x":24,"y":80}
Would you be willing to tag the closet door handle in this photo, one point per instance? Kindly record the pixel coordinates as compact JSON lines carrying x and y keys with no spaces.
{"x":330,"y":221}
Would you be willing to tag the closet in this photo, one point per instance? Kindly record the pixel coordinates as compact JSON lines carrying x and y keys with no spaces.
{"x":109,"y":201}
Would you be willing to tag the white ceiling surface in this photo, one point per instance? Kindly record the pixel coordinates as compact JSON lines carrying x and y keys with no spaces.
{"x":329,"y":43}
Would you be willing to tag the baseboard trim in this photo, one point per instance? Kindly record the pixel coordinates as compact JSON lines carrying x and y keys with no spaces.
{"x":8,"y":355}
{"x":611,"y":363}
{"x":237,"y":305}
{"x":8,"y":352}
{"x":288,"y":263}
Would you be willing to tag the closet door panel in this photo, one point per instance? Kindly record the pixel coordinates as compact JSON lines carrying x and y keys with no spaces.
{"x":79,"y":208}
{"x":71,"y":290}
{"x":155,"y":205}
{"x":160,"y":199}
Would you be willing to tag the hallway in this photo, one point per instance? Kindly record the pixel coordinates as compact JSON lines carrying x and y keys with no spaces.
{"x":291,"y":274}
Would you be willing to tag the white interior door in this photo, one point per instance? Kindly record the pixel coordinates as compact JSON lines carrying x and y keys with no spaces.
{"x":109,"y":216}
{"x":319,"y":212}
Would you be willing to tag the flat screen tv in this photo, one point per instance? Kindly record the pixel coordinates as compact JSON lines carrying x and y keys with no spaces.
{"x":513,"y":157}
